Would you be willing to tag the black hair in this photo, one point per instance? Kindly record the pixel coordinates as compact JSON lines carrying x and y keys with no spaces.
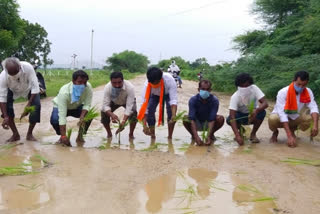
{"x":79,"y":73}
{"x":116,"y":75}
{"x":303,"y":75}
{"x":154,"y":74}
{"x":242,"y":79}
{"x":205,"y":82}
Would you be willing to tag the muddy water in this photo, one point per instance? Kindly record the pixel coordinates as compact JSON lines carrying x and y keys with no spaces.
{"x":199,"y":190}
{"x":102,"y":176}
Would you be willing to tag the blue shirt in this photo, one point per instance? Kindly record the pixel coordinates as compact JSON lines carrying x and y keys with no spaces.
{"x":203,"y":111}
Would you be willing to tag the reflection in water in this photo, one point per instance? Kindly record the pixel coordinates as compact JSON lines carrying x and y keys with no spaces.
{"x":198,"y":190}
{"x":203,"y":177}
{"x":159,"y":191}
{"x":20,"y":198}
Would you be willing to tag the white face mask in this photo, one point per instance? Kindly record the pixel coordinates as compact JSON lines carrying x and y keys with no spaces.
{"x":245,"y":93}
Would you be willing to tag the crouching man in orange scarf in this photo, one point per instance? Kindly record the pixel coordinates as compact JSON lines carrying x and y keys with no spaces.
{"x":160,"y":88}
{"x":292,"y":111}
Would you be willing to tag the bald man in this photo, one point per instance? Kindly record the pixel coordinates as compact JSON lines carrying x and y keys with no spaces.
{"x":18,"y":79}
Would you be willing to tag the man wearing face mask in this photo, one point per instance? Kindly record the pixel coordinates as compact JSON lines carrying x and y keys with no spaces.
{"x":119,"y":93}
{"x":160,"y":88}
{"x":293,"y":107}
{"x":18,"y":79}
{"x":203,"y":109}
{"x":247,"y":106}
{"x":74,"y":99}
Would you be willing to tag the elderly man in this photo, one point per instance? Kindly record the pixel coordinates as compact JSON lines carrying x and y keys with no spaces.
{"x":247,"y":106}
{"x":18,"y":79}
{"x":159,"y":88}
{"x":290,"y":111}
{"x":74,"y":99}
{"x":203,"y":109}
{"x":119,"y":93}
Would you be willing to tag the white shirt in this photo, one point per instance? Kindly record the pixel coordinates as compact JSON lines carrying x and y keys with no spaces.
{"x":125,"y":97}
{"x":237,"y":103}
{"x":281,"y":102}
{"x":21,"y":86}
{"x":170,"y":87}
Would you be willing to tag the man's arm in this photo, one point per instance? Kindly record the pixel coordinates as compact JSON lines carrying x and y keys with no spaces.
{"x":263,"y":105}
{"x":5,"y":122}
{"x":234,"y":127}
{"x":195,"y":133}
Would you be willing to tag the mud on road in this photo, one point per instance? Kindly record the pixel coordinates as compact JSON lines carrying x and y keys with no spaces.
{"x":144,"y":176}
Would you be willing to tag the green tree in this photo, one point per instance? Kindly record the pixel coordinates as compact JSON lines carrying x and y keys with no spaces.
{"x":11,"y":28}
{"x":34,"y":44}
{"x":179,"y":61}
{"x":200,"y":63}
{"x":129,"y":60}
{"x":276,"y":12}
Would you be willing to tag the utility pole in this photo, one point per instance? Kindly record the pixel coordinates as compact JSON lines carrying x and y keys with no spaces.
{"x":91,"y":50}
{"x":74,"y":61}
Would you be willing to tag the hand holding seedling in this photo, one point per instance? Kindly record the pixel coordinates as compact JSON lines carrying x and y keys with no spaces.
{"x":146,"y":130}
{"x":121,"y":127}
{"x":5,"y":122}
{"x":65,"y":141}
{"x":252,"y":116}
{"x":114,"y":118}
{"x":239,"y":140}
{"x":291,"y":142}
{"x":208,"y":141}
{"x":28,"y":109}
{"x":81,"y":122}
{"x":199,"y":141}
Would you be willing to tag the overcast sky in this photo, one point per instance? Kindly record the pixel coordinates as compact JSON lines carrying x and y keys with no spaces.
{"x":157,"y":29}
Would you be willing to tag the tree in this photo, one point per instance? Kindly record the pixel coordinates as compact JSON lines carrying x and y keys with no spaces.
{"x":11,"y":28}
{"x":276,"y":12}
{"x":179,"y":61}
{"x":200,"y":63}
{"x":248,"y":42}
{"x":129,"y":60}
{"x":34,"y":44}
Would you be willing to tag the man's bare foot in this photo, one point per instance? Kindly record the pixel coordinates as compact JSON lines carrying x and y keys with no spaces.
{"x":80,"y":140}
{"x":254,"y":139}
{"x":131,"y":136}
{"x":13,"y":138}
{"x":31,"y":138}
{"x":274,"y":137}
{"x":169,"y":137}
{"x":109,"y":136}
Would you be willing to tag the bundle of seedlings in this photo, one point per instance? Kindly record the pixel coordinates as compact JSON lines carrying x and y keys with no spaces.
{"x":28,"y":110}
{"x":91,"y":114}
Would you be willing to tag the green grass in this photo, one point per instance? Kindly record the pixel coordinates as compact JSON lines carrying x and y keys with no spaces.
{"x":296,"y":161}
{"x":56,"y":78}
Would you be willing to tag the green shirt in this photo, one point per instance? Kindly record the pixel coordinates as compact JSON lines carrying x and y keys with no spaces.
{"x":63,"y":101}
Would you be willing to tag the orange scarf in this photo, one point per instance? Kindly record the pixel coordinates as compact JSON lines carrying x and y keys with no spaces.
{"x":144,"y":106}
{"x":291,"y":106}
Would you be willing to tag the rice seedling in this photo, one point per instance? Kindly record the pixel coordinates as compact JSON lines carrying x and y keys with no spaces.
{"x":152,"y":147}
{"x":242,"y":131}
{"x":180,"y":116}
{"x":251,"y":107}
{"x":296,"y":161}
{"x":120,"y":128}
{"x":8,"y":146}
{"x":30,"y":187}
{"x":191,"y":210}
{"x":104,"y":146}
{"x":38,"y":157}
{"x":189,"y":194}
{"x":15,"y":170}
{"x":248,"y":188}
{"x":29,"y":109}
{"x":247,"y":150}
{"x":184,"y":147}
{"x":91,"y":114}
{"x":205,"y":132}
{"x":212,"y":184}
{"x":263,"y":199}
{"x":69,"y":132}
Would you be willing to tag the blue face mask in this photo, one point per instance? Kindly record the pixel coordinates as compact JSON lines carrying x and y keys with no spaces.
{"x":298,"y":89}
{"x":77,"y":90}
{"x":204,"y":94}
{"x":115,"y":92}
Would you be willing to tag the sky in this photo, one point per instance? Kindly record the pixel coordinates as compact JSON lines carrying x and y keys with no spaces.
{"x":156,"y":29}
